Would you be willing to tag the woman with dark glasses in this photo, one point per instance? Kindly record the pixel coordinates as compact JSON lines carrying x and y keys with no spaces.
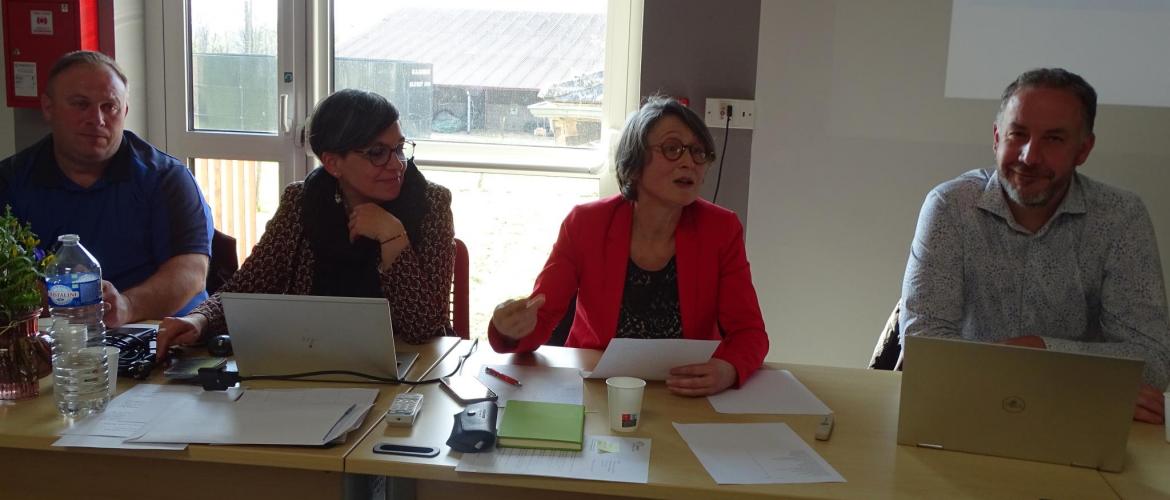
{"x":654,"y":262}
{"x":363,"y":224}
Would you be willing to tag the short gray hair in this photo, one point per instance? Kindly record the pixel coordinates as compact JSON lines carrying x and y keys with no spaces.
{"x":87,"y":57}
{"x":633,"y":150}
{"x":1055,"y":78}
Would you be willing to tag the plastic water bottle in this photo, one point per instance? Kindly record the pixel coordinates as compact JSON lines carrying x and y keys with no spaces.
{"x":81,"y":375}
{"x":74,"y":284}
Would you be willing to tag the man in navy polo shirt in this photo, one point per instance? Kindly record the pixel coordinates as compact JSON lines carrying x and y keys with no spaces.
{"x":137,"y":210}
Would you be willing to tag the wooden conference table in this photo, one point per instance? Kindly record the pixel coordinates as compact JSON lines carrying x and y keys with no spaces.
{"x":31,"y":468}
{"x":862,"y":448}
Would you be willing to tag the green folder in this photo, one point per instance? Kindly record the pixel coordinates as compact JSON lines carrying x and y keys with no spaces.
{"x":548,"y":426}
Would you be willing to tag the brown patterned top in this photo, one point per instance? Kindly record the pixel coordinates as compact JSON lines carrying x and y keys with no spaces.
{"x":418,"y":285}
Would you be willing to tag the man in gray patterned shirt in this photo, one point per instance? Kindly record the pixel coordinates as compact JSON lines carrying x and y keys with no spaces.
{"x":1034,"y":254}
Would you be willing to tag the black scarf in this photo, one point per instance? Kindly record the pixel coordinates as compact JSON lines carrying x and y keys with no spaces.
{"x":341,"y":268}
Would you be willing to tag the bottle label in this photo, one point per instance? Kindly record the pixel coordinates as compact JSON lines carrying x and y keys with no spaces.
{"x":74,"y":291}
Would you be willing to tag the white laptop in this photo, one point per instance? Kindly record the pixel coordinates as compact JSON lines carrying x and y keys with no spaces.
{"x":287,"y":334}
{"x":1034,"y":404}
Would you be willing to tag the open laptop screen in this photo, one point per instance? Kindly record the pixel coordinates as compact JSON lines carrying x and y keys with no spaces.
{"x":287,"y":334}
{"x":1034,"y":404}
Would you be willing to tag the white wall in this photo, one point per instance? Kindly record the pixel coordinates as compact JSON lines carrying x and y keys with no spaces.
{"x":852,"y":130}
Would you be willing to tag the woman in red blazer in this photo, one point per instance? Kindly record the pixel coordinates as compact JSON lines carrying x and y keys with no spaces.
{"x":654,"y":262}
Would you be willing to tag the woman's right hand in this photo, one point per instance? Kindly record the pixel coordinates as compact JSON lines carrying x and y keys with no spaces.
{"x":178,"y":331}
{"x":516,"y":318}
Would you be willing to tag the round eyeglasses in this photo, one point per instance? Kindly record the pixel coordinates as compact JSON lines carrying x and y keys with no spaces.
{"x":673,"y":149}
{"x":379,"y":154}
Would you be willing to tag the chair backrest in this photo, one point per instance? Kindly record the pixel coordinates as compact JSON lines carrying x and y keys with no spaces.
{"x":459,"y":309}
{"x":887,"y":354}
{"x":224,"y":262}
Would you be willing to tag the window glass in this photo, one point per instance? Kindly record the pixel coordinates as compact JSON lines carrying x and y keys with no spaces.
{"x":513,"y":72}
{"x":233,"y":65}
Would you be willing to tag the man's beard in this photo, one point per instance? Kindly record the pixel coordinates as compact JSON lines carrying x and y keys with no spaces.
{"x":1036,"y":200}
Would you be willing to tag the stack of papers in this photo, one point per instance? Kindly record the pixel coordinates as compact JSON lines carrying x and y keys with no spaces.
{"x":129,"y":414}
{"x":539,"y":383}
{"x":170,"y":417}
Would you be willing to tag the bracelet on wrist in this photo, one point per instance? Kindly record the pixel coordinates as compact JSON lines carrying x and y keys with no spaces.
{"x":392,"y":238}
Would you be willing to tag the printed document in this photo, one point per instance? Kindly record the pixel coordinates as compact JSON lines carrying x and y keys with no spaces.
{"x":538,"y":383}
{"x":756,"y":454}
{"x":604,"y":458}
{"x":129,"y":414}
{"x":775,"y":392}
{"x":650,"y":359}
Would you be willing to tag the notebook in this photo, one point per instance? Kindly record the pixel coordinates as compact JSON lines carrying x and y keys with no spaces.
{"x":549,"y":426}
{"x":1033,"y":404}
{"x":286,"y":334}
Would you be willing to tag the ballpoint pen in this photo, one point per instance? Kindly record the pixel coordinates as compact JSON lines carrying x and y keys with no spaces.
{"x":502,"y":376}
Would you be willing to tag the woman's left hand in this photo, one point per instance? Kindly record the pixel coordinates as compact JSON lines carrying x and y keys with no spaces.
{"x":702,"y":379}
{"x":375,"y":223}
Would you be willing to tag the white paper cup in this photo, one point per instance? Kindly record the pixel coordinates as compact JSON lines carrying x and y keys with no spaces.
{"x":112,"y":356}
{"x":625,"y":402}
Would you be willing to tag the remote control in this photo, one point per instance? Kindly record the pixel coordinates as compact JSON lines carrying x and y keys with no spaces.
{"x":403,"y":410}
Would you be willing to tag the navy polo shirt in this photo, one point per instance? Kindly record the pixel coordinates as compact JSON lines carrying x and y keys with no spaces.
{"x":145,"y":209}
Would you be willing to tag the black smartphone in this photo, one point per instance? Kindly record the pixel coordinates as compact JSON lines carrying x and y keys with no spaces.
{"x":467,"y":389}
{"x":406,"y":450}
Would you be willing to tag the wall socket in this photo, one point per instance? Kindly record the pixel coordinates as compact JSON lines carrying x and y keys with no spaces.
{"x":742,"y":113}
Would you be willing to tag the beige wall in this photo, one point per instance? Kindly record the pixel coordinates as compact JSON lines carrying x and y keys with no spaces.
{"x":130,"y":48}
{"x":674,"y":62}
{"x":7,"y":144}
{"x":852,"y":130}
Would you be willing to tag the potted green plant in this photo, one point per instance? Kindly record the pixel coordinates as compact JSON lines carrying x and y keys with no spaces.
{"x":24,"y":353}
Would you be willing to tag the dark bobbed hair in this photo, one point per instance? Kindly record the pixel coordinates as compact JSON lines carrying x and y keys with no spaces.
{"x":633,"y":151}
{"x":87,"y":57}
{"x":1055,"y":78}
{"x":349,"y":119}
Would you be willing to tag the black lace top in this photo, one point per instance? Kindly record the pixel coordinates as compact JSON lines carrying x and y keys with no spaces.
{"x":650,"y":304}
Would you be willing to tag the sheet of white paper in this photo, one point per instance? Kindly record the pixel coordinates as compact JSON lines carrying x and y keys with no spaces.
{"x":756,"y":454}
{"x":775,"y":392}
{"x":254,"y":421}
{"x":128,"y":414}
{"x":539,"y":383}
{"x":113,"y":442}
{"x":650,"y":359}
{"x":630,"y":464}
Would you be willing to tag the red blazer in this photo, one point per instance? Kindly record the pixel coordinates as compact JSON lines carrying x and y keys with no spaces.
{"x":715,"y":291}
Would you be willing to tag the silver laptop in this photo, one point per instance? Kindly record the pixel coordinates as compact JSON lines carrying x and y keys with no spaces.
{"x":286,"y":334}
{"x":992,"y":399}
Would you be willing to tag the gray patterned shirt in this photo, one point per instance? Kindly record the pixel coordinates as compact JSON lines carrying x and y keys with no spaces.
{"x":1089,"y":281}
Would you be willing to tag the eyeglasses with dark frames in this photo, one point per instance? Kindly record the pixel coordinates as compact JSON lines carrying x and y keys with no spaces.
{"x":379,"y":154}
{"x":672,"y":149}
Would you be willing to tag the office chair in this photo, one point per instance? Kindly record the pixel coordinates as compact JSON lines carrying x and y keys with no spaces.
{"x":459,"y":292}
{"x":887,"y":354}
{"x":224,"y":262}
